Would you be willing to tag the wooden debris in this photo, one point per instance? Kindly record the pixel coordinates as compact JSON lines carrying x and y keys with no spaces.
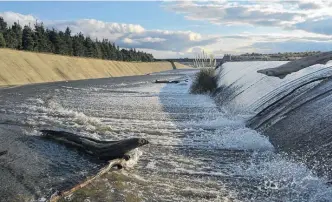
{"x":114,"y":163}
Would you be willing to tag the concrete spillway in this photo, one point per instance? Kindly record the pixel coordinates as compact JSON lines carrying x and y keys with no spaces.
{"x":294,"y":112}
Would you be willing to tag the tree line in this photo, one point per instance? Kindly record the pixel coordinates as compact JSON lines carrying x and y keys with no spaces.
{"x":41,"y":39}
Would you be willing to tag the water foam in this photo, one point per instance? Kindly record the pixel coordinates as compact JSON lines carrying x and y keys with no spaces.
{"x":52,"y":112}
{"x":36,"y":100}
{"x":134,"y":157}
{"x":224,"y":133}
{"x":212,"y":123}
{"x":284,"y":179}
{"x":240,"y":139}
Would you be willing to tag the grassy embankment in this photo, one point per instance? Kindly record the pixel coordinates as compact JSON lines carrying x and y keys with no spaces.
{"x":21,"y":67}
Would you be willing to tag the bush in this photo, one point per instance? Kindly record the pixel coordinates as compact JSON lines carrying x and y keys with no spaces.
{"x":205,"y":81}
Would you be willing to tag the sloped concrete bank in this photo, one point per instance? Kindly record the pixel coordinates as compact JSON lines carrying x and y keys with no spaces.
{"x":295,"y":112}
{"x":21,"y":67}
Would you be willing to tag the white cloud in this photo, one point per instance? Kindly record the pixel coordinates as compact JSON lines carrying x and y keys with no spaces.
{"x":166,"y":40}
{"x":260,"y":13}
{"x":309,"y":5}
{"x":97,"y":29}
{"x":11,"y":17}
{"x":151,"y":40}
{"x":128,"y":41}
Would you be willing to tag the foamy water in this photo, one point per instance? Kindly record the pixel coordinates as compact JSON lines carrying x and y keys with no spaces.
{"x":196,"y":153}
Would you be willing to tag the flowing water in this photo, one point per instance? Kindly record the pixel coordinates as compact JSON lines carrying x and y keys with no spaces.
{"x":198,"y":151}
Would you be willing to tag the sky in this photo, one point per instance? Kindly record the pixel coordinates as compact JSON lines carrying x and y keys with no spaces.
{"x":178,"y":29}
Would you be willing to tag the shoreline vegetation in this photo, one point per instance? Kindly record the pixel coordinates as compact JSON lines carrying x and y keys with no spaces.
{"x":43,"y":40}
{"x":205,"y":81}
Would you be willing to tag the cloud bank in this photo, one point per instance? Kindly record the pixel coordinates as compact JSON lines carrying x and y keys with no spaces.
{"x":303,"y":25}
{"x":275,"y":13}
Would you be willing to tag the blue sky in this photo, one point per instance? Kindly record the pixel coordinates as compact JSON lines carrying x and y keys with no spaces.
{"x":181,"y":29}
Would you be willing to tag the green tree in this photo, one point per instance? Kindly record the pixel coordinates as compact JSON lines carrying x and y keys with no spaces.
{"x":56,"y":39}
{"x":42,"y":43}
{"x":103,"y":49}
{"x":107,"y":54}
{"x":62,"y":46}
{"x":10,"y":38}
{"x":3,"y":26}
{"x":27,"y":39}
{"x":2,"y":41}
{"x":89,"y":47}
{"x":97,"y":47}
{"x":78,"y":45}
{"x":119,"y":54}
{"x":68,"y":42}
{"x":112,"y":48}
{"x":17,"y":34}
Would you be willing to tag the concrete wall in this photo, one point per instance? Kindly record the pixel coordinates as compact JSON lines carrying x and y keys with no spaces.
{"x":20,"y":67}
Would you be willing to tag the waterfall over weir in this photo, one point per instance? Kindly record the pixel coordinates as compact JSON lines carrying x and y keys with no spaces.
{"x":294,"y":112}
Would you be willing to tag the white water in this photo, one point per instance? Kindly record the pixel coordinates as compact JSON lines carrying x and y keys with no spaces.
{"x":196,"y":153}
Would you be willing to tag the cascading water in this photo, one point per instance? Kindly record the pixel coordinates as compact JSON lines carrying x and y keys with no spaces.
{"x":197,"y":152}
{"x":293,"y":112}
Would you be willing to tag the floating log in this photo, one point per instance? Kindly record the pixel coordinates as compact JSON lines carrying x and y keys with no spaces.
{"x":103,"y":150}
{"x":296,"y":65}
{"x":166,"y":81}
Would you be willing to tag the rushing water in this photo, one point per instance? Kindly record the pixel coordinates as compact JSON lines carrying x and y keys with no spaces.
{"x":198,"y":152}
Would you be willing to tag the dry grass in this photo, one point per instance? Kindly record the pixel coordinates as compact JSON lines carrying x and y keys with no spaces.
{"x":22,"y":67}
{"x":205,"y":81}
